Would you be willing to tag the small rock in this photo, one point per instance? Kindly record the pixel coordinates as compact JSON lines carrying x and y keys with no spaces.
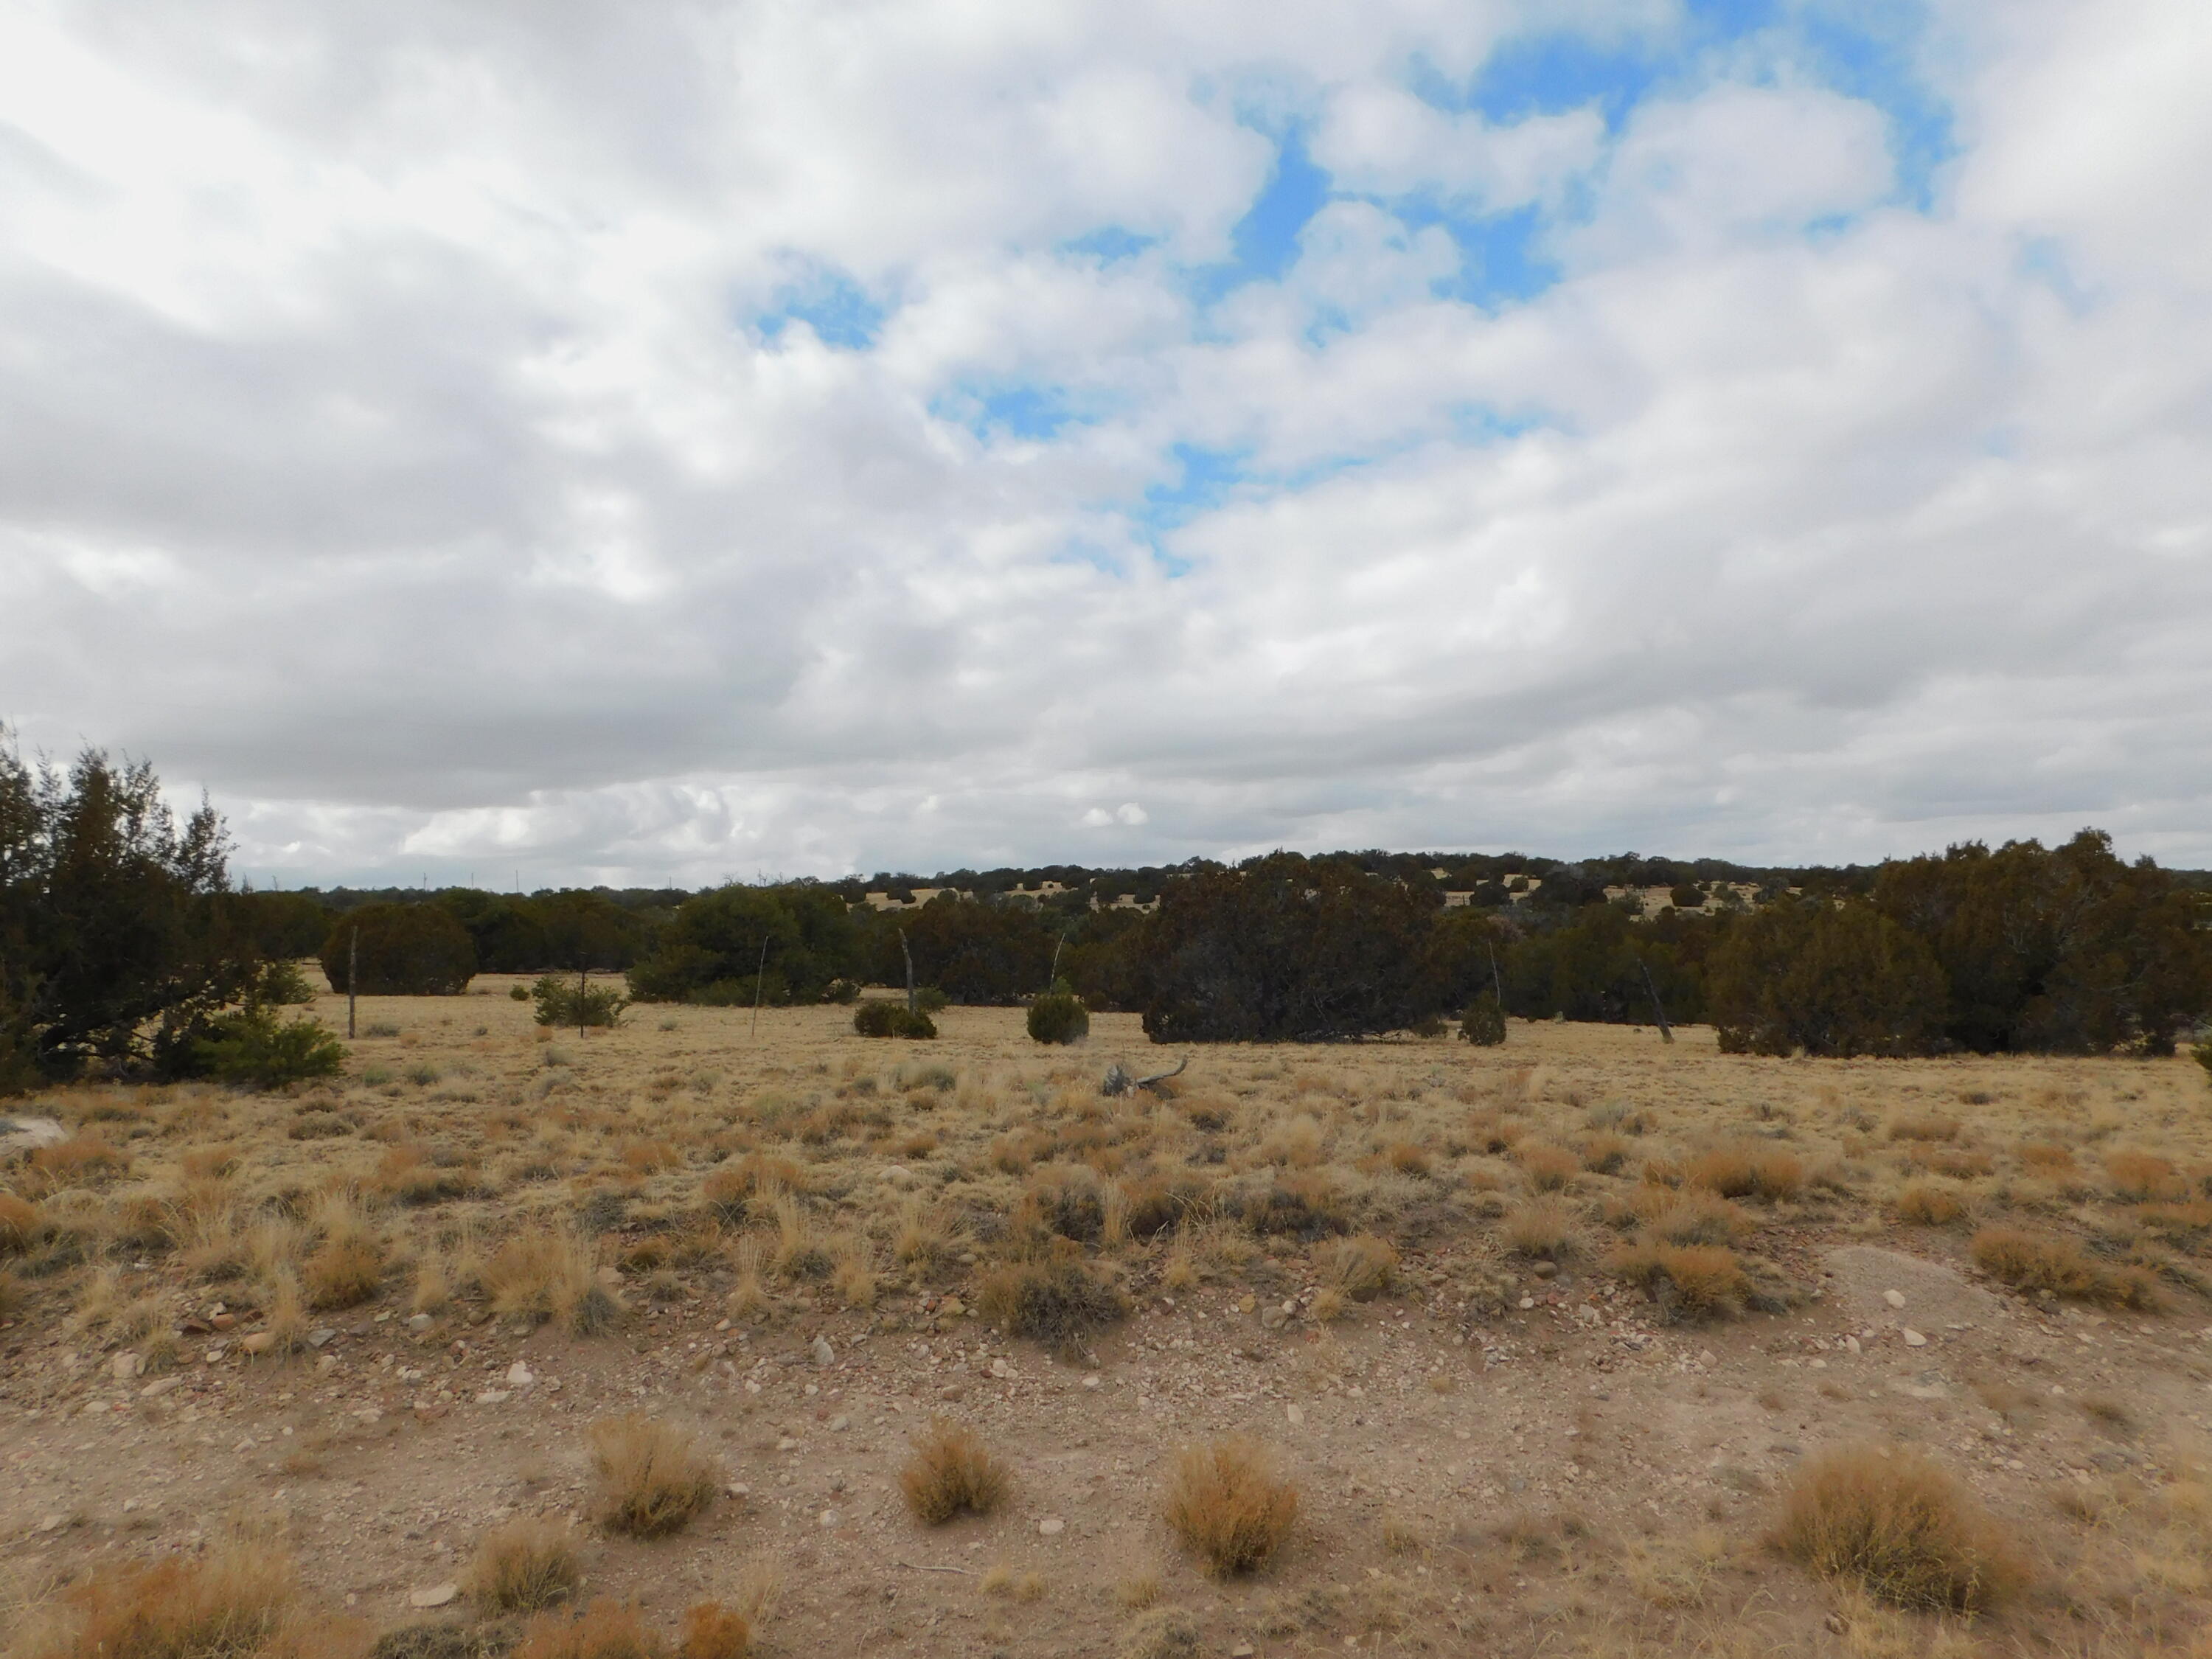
{"x":126,"y":1367}
{"x":840,"y":1423}
{"x":823,"y":1353}
{"x":1835,"y":1624}
{"x":1527,"y":1303}
{"x":1052,"y":1526}
{"x":429,"y":1411}
{"x":1895,"y":1299}
{"x":1241,"y":1650}
{"x":950,"y":1391}
{"x":213,"y":1356}
{"x":828,"y":1519}
{"x":1852,"y":1343}
{"x":436,"y":1596}
{"x":1547,"y":1270}
{"x":259,"y":1342}
{"x":52,"y":1523}
{"x":494,"y":1397}
{"x":1297,"y":1414}
{"x":738,"y":1489}
{"x":999,"y":1368}
{"x":1914,"y":1340}
{"x":1090,"y":1382}
{"x":317,"y":1338}
{"x":1705,"y":1357}
{"x":519,"y":1376}
{"x":952,"y":1307}
{"x":1272,"y":1318}
{"x":420,"y":1322}
{"x":787,"y":1443}
{"x":157,"y":1388}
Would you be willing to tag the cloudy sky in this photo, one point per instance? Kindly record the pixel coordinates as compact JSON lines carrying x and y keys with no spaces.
{"x":634,"y":441}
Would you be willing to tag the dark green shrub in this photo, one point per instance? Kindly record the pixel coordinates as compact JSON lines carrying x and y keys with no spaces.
{"x":1057,"y":1298}
{"x":562,"y":1001}
{"x":844,"y":991}
{"x":891,"y":1019}
{"x":254,"y":1049}
{"x":1059,"y":1016}
{"x":1484,"y":1022}
{"x":1686,"y":897}
{"x":281,"y":984}
{"x":519,"y":992}
{"x":1832,"y":979}
{"x":929,"y":1000}
{"x":403,"y":950}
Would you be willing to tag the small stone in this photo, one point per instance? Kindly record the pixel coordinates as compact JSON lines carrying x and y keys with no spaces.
{"x":316,"y":1339}
{"x":436,"y":1596}
{"x":1271,"y":1319}
{"x":1052,"y":1526}
{"x":157,"y":1388}
{"x":126,"y":1367}
{"x":1914,"y":1340}
{"x":222,"y":1321}
{"x":1852,"y":1343}
{"x":951,"y":1307}
{"x":1247,"y":1304}
{"x":840,"y":1423}
{"x":494,"y":1397}
{"x":213,"y":1356}
{"x":999,"y":1368}
{"x":1705,"y":1357}
{"x":52,"y":1523}
{"x":1241,"y":1650}
{"x":1296,"y":1413}
{"x":1527,"y":1303}
{"x":1547,"y":1270}
{"x":1835,"y":1624}
{"x":738,"y":1489}
{"x":828,"y":1519}
{"x":787,"y":1443}
{"x":1090,"y":1382}
{"x":823,"y":1353}
{"x":420,"y":1322}
{"x":1895,"y":1299}
{"x":326,"y":1363}
{"x":950,"y":1391}
{"x":259,"y":1342}
{"x":519,"y":1376}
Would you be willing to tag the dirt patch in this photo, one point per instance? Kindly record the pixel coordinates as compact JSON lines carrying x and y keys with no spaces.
{"x":1935,"y":1295}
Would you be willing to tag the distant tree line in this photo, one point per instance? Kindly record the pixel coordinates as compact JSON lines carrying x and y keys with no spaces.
{"x":125,"y":946}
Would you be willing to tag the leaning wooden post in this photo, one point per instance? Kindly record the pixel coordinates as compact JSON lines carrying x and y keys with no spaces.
{"x":760,"y":977}
{"x":353,"y":976}
{"x":1666,"y":1031}
{"x":908,"y":955}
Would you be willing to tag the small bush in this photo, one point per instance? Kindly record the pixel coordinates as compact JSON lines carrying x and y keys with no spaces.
{"x":544,"y":1273}
{"x":1929,"y":1204}
{"x":607,"y":1630}
{"x":233,"y":1603}
{"x":714,"y":1629}
{"x":347,"y":1268}
{"x":1548,"y":1168}
{"x":1057,"y":1298}
{"x":891,"y":1019}
{"x":1302,"y":1206}
{"x":1930,"y":1127}
{"x":651,"y":1478}
{"x":1482,"y":1024}
{"x":1543,"y":1228}
{"x":1689,"y":1281}
{"x":951,"y":1472}
{"x":1361,"y":1267}
{"x":518,"y":993}
{"x":1742,"y":1172}
{"x":1229,"y":1507}
{"x":2141,"y":1175}
{"x":563,"y":1002}
{"x":1059,"y":1017}
{"x":21,"y":1225}
{"x":1900,"y":1526}
{"x":254,"y":1049}
{"x":525,"y":1566}
{"x":1689,"y":1215}
{"x":2035,"y":1262}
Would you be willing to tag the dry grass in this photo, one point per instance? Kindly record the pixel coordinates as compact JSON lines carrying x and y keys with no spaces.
{"x":1229,"y":1507}
{"x":1689,"y":1215}
{"x":607,"y":1629}
{"x":1361,"y":1268}
{"x":1930,"y":1203}
{"x":21,"y":1225}
{"x":1544,"y":1229}
{"x":951,"y":1472}
{"x":1744,"y":1170}
{"x":1056,"y":1299}
{"x":2141,"y":1175}
{"x":1547,"y":1168}
{"x":546,"y":1272}
{"x":2043,"y":1261}
{"x":1902,"y":1527}
{"x":714,"y":1630}
{"x":652,"y":1479}
{"x":238,"y":1601}
{"x":525,"y":1566}
{"x":347,"y":1267}
{"x":1689,"y":1281}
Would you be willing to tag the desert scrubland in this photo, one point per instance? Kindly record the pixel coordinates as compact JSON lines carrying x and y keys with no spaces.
{"x":685,"y":1338}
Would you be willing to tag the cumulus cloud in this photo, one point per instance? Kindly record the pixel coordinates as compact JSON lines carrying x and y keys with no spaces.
{"x":660,"y":443}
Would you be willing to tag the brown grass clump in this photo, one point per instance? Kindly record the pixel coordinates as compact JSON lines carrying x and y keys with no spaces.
{"x":1901,"y":1527}
{"x":2038,"y":1261}
{"x":1361,"y":1267}
{"x":2184,"y":1224}
{"x":1056,"y":1299}
{"x":951,"y":1472}
{"x":1228,"y":1505}
{"x":549,"y":1273}
{"x":606,"y":1630}
{"x":83,"y":1160}
{"x":2141,"y":1175}
{"x":653,"y":1477}
{"x":714,"y":1630}
{"x":1929,"y":1203}
{"x":1688,"y":1281}
{"x":1746,"y":1171}
{"x":1543,"y":1228}
{"x":525,"y":1566}
{"x":1689,"y":1215}
{"x":347,"y":1268}
{"x":21,"y":1225}
{"x":1604,"y":1152}
{"x":1547,"y":1168}
{"x":1926,"y":1127}
{"x":233,"y":1603}
{"x":2046,"y":1160}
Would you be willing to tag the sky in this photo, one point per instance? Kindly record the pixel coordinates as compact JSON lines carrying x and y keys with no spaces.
{"x":651,"y":442}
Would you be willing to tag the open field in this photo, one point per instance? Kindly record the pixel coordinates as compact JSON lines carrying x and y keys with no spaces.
{"x":1543,"y":1337}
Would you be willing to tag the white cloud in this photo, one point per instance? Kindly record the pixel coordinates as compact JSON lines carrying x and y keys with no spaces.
{"x":391,"y":442}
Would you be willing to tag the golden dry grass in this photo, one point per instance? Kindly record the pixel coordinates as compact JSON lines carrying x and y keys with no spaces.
{"x":1228,"y":1505}
{"x":2044,"y":1261}
{"x":1690,"y":1281}
{"x":714,"y":1630}
{"x":525,"y":1566}
{"x":238,"y":1602}
{"x":547,"y":1272}
{"x":1902,"y":1527}
{"x":651,"y":1478}
{"x":607,"y":1629}
{"x":951,"y":1472}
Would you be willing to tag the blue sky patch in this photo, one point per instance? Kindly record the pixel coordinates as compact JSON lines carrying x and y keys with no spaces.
{"x":1032,"y":412}
{"x":1109,"y":244}
{"x":833,"y":305}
